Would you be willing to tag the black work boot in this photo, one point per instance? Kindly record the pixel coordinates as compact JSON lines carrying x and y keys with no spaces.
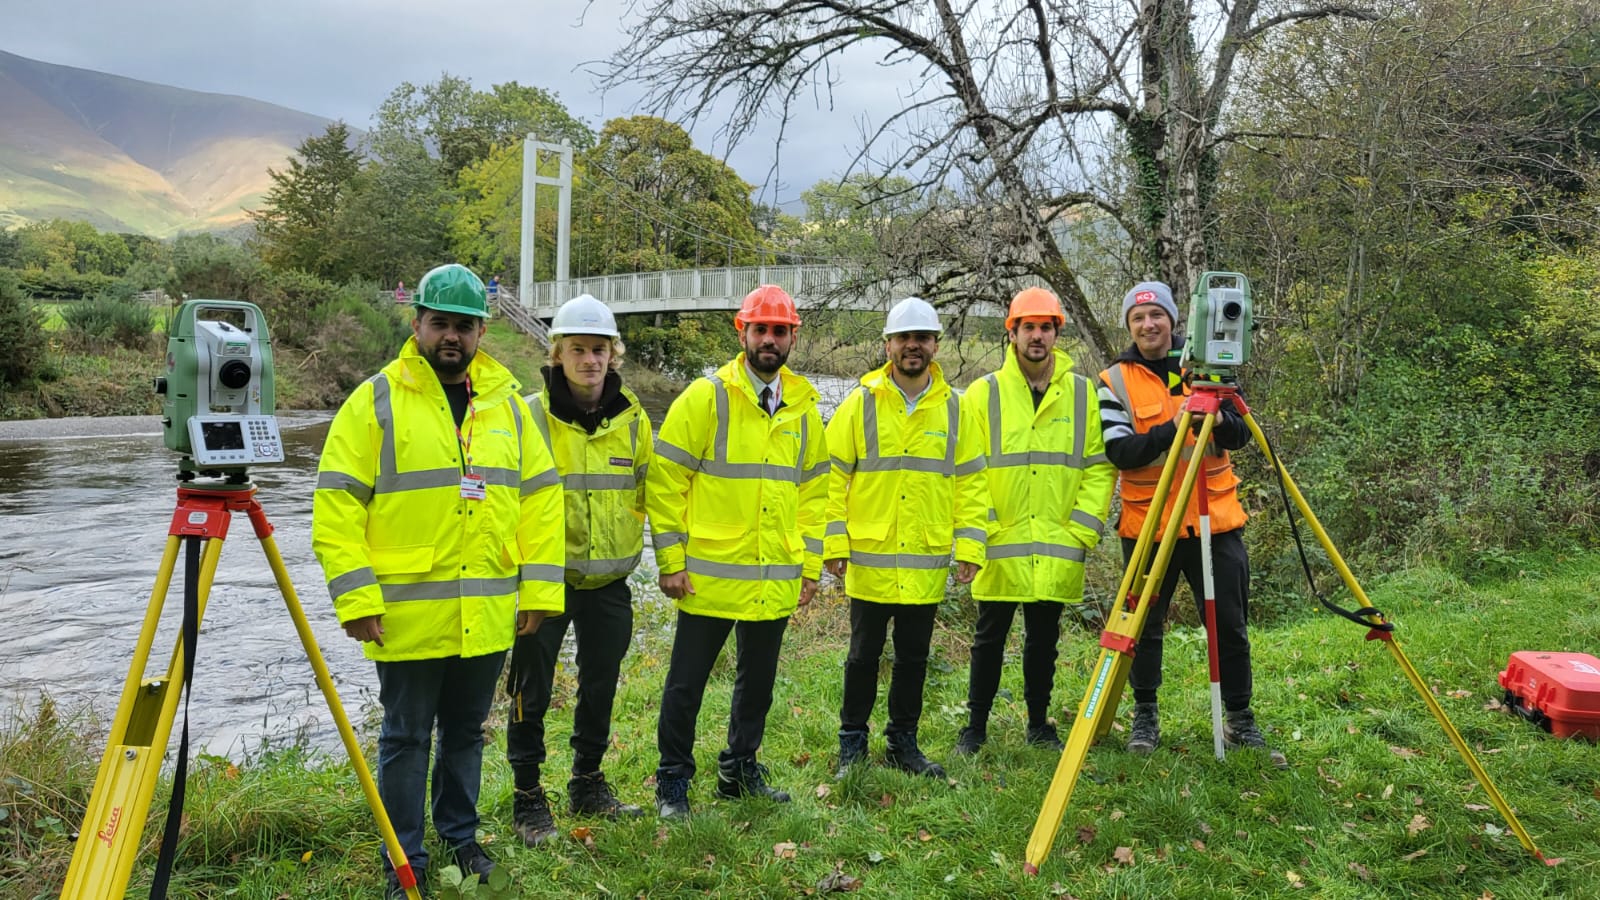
{"x":473,"y":861}
{"x":905,"y":755}
{"x":672,"y":797}
{"x":1045,"y":736}
{"x":852,"y":749}
{"x":744,"y":776}
{"x":1145,"y":734}
{"x":1239,"y":730}
{"x":590,"y":795}
{"x":970,"y":740}
{"x":530,"y":812}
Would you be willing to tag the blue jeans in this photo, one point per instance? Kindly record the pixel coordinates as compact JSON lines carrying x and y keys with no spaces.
{"x":450,"y":697}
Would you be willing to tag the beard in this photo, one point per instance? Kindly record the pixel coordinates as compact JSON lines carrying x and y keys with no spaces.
{"x":759,"y":363}
{"x":912,"y":367}
{"x":450,"y":367}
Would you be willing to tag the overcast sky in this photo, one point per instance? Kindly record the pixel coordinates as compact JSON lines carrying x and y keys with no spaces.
{"x":340,"y":58}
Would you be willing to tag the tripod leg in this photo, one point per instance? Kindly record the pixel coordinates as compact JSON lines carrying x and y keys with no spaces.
{"x":1118,"y":640}
{"x":108,"y":841}
{"x":352,"y":748}
{"x":1208,"y":579}
{"x":1411,"y":673}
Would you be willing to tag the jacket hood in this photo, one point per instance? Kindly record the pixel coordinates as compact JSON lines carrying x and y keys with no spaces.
{"x":491,"y":381}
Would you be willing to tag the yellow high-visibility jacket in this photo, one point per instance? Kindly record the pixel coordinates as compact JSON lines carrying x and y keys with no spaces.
{"x":904,"y":491}
{"x":602,"y":478}
{"x":738,"y":498}
{"x":1049,"y":481}
{"x":396,"y":538}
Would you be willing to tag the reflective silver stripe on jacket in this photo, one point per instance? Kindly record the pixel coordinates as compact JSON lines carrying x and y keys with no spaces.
{"x":1036,"y":548}
{"x":873,"y":459}
{"x":354,"y":579}
{"x":900,"y":560}
{"x":1075,"y":459}
{"x":339,"y":481}
{"x":391,"y":480}
{"x":718,"y":465}
{"x":620,"y":566}
{"x":453,"y":589}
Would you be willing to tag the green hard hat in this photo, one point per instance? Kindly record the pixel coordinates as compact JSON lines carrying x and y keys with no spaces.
{"x":453,"y":288}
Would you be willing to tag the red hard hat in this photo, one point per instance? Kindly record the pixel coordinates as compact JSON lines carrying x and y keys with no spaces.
{"x":769,"y":304}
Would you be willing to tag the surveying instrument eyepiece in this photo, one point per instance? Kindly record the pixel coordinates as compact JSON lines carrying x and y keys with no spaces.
{"x":217,"y":410}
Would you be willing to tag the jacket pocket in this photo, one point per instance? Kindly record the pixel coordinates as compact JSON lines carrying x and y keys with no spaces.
{"x":414,"y":559}
{"x":940,"y":537}
{"x":717,"y":534}
{"x":1150,"y":413}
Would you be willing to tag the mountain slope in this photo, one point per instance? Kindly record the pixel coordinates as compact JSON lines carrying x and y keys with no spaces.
{"x":130,"y":155}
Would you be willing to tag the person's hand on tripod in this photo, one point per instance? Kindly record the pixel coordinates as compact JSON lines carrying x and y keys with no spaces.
{"x":366,"y":628}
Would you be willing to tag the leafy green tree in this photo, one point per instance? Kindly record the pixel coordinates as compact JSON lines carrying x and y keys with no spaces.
{"x":295,"y":226}
{"x":394,"y":226}
{"x":652,"y":201}
{"x":461,"y":125}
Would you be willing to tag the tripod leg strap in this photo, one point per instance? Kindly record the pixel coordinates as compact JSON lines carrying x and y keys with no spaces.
{"x":191,"y":634}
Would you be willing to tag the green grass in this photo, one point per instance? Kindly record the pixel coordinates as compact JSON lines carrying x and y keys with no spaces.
{"x":1376,"y":801}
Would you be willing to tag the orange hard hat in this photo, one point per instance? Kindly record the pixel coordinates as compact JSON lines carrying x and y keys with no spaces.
{"x":1034,"y":301}
{"x":769,"y":304}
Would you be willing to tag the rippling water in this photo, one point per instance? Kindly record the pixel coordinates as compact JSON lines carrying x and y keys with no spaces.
{"x":83,"y":523}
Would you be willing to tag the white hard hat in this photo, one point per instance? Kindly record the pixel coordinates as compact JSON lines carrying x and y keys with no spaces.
{"x":912,"y":314}
{"x":584,"y":314}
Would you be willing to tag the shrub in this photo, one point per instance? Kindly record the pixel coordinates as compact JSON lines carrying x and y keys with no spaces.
{"x":21,"y":334}
{"x":108,"y":321}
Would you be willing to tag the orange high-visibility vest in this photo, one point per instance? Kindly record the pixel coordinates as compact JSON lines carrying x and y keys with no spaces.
{"x":1149,"y":402}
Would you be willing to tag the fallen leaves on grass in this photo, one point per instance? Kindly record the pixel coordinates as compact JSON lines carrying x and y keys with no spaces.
{"x":1295,"y":881}
{"x":823,"y":791}
{"x":1415,"y":855}
{"x":583,"y":835}
{"x":784,"y":849}
{"x":1086,"y":834}
{"x":1419,"y":823}
{"x":1123,"y":855}
{"x":1360,"y":870}
{"x":1404,"y":752}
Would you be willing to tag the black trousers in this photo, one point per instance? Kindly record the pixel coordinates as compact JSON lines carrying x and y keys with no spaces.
{"x":869,"y":628}
{"x":602,"y":620}
{"x":1041,"y":628}
{"x":1230,"y":575}
{"x":695,"y":645}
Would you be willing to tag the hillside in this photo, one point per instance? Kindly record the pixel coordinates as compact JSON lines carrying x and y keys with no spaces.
{"x":129,"y":155}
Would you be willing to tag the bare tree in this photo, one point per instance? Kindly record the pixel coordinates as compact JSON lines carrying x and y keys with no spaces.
{"x":1008,"y":104}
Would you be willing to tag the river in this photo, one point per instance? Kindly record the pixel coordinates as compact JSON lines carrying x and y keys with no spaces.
{"x":84,"y":511}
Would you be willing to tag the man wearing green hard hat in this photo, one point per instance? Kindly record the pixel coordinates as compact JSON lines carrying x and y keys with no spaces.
{"x":438,"y":521}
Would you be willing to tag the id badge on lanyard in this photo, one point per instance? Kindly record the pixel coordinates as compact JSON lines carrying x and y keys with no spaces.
{"x":473,"y":486}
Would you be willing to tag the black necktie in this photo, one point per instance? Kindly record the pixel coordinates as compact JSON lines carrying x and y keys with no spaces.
{"x":766,"y":400}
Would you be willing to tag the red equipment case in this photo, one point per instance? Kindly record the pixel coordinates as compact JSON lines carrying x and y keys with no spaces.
{"x":1559,"y":692}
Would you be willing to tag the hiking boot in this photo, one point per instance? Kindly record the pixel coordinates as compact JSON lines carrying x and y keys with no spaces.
{"x":672,"y":797}
{"x":473,"y":861}
{"x":530,"y":812}
{"x":1145,"y":734}
{"x":590,"y":795}
{"x":905,"y":755}
{"x":1045,"y":736}
{"x":852,"y":749}
{"x":1239,"y":730}
{"x":393,"y":890}
{"x":970,"y":740}
{"x":740,"y":777}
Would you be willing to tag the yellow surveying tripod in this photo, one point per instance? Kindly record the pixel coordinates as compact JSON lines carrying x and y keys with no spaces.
{"x":108,"y":841}
{"x":1134,"y":598}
